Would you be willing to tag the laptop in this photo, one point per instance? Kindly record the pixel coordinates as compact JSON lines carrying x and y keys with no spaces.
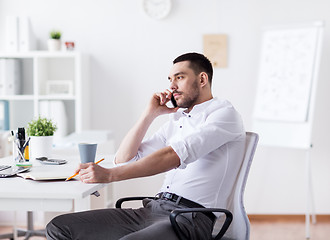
{"x":8,"y":171}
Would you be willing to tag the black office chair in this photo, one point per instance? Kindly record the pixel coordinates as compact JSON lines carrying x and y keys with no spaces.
{"x":236,"y":220}
{"x":175,"y":213}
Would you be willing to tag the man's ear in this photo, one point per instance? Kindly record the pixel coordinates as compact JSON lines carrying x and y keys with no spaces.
{"x":204,"y":79}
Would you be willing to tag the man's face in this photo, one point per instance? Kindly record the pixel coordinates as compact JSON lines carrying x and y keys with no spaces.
{"x":185,"y":85}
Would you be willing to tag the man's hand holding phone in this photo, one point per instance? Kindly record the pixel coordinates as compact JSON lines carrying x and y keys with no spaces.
{"x":158,"y":103}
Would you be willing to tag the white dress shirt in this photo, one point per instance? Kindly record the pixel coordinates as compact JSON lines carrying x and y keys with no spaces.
{"x":210,"y":142}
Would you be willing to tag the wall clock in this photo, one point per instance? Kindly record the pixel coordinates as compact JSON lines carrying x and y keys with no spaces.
{"x":157,"y":9}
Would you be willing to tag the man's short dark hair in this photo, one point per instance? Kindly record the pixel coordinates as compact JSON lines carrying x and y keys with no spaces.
{"x":198,"y":62}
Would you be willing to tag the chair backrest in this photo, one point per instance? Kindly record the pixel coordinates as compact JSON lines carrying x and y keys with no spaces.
{"x":240,"y":226}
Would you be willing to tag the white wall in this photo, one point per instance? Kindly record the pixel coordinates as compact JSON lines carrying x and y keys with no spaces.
{"x":131,"y":56}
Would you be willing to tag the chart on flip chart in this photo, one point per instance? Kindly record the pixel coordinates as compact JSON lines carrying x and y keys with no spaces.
{"x":288,"y":71}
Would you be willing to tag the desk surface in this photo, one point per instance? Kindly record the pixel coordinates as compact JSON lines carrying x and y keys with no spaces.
{"x":17,"y":193}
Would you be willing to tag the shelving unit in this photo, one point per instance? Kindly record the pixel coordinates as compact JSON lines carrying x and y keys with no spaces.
{"x":37,"y":68}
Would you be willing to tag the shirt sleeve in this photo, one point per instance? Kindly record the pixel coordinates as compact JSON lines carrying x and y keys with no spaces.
{"x":149,"y":145}
{"x":221,"y":127}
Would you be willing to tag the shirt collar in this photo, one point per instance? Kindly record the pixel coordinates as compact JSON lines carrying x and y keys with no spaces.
{"x":197,"y":108}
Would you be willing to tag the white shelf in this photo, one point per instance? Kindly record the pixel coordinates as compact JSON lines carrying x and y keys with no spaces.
{"x":39,"y":67}
{"x":17,"y":97}
{"x":57,"y":97}
{"x":42,"y":54}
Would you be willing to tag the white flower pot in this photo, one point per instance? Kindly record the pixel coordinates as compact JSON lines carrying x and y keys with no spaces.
{"x":54,"y":44}
{"x":40,"y":147}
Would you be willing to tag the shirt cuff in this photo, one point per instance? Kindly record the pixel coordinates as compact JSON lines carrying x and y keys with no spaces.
{"x":181,"y":150}
{"x":121,"y":164}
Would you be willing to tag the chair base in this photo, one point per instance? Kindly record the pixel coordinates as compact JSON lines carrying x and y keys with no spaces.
{"x":29,"y":232}
{"x":24,"y":233}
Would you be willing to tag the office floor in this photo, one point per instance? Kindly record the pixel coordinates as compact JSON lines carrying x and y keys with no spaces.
{"x":293,"y":230}
{"x":268,"y":229}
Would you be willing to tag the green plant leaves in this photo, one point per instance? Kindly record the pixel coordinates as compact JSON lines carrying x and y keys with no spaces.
{"x":41,"y":127}
{"x":55,"y":34}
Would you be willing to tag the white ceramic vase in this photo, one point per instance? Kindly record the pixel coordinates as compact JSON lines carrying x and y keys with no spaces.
{"x":54,"y":44}
{"x":40,"y":146}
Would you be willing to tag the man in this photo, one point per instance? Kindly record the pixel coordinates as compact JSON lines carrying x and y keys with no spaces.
{"x":201,"y":147}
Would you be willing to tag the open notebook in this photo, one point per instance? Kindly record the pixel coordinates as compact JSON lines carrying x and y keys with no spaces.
{"x":44,"y":176}
{"x":50,"y":173}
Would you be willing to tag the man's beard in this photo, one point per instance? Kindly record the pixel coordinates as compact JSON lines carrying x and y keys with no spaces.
{"x":190,"y":100}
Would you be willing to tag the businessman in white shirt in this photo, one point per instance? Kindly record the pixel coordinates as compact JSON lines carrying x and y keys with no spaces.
{"x":201,"y":148}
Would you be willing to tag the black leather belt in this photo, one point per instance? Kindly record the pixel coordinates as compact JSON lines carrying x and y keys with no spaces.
{"x":184,"y":201}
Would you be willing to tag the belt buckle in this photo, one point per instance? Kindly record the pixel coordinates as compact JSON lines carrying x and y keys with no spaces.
{"x":168,"y":196}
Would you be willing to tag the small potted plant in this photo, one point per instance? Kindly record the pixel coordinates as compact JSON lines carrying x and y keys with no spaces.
{"x":54,"y":41}
{"x":41,"y":132}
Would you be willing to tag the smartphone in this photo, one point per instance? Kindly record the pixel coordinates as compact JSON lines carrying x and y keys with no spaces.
{"x":174,"y":102}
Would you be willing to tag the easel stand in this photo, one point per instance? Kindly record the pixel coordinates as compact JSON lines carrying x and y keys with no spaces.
{"x":310,"y":204}
{"x":284,"y":108}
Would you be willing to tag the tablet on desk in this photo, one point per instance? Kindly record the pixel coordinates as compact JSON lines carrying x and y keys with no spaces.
{"x":9,"y":171}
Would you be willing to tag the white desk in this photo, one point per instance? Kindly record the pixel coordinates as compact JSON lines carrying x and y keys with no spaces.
{"x":18,"y":194}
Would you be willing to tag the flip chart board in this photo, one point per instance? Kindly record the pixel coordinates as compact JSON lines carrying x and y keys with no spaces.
{"x":288,"y":72}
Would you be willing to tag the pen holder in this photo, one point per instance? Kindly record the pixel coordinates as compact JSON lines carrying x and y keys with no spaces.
{"x":18,"y":154}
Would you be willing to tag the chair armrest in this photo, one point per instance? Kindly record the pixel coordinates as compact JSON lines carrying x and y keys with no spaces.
{"x":181,"y":235}
{"x":126,"y":199}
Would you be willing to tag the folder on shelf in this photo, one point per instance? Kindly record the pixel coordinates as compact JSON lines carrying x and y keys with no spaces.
{"x":10,"y":77}
{"x":27,"y":41}
{"x":2,"y":77}
{"x":4,"y":115}
{"x":56,"y":111}
{"x":12,"y":33}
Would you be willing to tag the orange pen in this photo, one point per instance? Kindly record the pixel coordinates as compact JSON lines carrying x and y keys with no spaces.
{"x":78,"y":172}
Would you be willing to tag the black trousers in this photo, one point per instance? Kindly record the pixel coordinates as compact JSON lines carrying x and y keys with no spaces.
{"x":149,"y":222}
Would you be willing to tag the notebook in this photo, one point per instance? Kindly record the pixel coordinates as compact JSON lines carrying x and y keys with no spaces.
{"x":47,"y":175}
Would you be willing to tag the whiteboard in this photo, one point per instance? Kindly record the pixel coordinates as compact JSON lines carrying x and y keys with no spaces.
{"x":287,"y":78}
